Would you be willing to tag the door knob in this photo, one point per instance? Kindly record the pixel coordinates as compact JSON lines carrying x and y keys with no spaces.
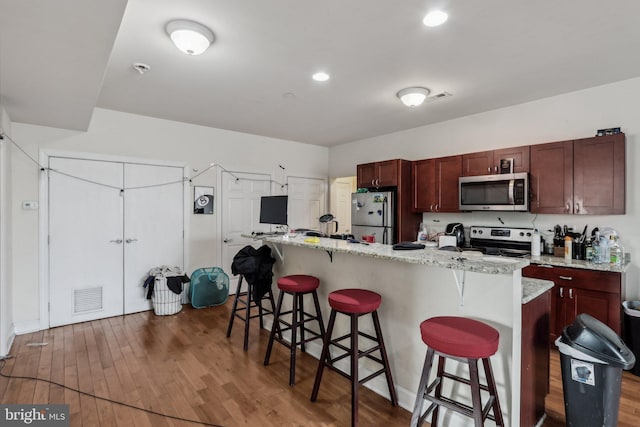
{"x":116,"y":241}
{"x":131,"y":240}
{"x":227,"y":240}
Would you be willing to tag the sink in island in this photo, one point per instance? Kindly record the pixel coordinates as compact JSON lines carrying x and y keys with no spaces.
{"x":416,"y":285}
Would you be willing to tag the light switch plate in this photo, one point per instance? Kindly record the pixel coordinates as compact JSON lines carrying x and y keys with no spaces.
{"x":30,"y":205}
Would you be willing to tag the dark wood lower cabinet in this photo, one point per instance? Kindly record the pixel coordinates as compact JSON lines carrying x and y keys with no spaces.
{"x":598,"y":293}
{"x":534,"y":381}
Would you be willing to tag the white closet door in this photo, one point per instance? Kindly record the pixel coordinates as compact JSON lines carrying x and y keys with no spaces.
{"x":240,"y":215}
{"x":85,"y":241}
{"x":153,"y":227}
{"x":306,"y":202}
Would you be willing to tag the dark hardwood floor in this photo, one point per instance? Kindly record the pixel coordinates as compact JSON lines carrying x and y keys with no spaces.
{"x":183,"y":365}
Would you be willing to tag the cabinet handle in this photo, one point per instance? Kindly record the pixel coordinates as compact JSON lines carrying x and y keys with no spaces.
{"x":131,"y":240}
{"x":566,"y":277}
{"x":489,"y":169}
{"x":570,"y":293}
{"x":568,"y":207}
{"x":431,"y":207}
{"x":577,"y":207}
{"x":116,"y":241}
{"x":373,"y":182}
{"x":437,"y":207}
{"x":545,"y":265}
{"x":495,"y":168}
{"x":561,"y":292}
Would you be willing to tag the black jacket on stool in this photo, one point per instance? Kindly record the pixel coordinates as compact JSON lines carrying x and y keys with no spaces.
{"x":256,"y":266}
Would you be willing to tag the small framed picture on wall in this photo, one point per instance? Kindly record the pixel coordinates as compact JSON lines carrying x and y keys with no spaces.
{"x":203,"y":200}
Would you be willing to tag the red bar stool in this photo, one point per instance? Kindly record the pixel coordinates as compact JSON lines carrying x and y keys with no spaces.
{"x":464,"y":340}
{"x":354,"y":303}
{"x":248,"y":301}
{"x":297,"y":286}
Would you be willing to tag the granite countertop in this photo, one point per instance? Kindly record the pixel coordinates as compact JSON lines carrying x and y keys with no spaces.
{"x":576,"y":263}
{"x":465,"y":260}
{"x":533,"y":288}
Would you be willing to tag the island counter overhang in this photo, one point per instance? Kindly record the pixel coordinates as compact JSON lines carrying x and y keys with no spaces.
{"x":416,"y":285}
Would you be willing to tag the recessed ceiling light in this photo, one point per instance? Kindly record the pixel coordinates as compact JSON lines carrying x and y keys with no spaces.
{"x":321,"y":76}
{"x":435,"y":18}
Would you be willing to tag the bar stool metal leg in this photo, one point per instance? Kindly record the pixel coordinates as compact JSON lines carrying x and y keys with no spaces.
{"x":385,"y":360}
{"x":354,"y":370}
{"x":324,"y":357}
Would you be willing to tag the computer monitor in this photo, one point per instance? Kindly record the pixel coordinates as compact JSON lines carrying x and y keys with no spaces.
{"x":273,"y":210}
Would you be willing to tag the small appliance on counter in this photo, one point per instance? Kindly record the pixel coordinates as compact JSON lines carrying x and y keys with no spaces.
{"x":456,"y":229}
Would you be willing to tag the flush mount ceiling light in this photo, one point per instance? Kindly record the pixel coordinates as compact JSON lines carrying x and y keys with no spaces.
{"x":190,"y":37}
{"x":413,"y":96}
{"x":321,"y":76}
{"x":435,"y":18}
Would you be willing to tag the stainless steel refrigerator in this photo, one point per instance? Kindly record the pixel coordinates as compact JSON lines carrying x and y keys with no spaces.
{"x":373,"y":214}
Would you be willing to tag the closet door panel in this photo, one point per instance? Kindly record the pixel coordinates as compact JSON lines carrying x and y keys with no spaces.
{"x":153,"y":227}
{"x":85,"y":240}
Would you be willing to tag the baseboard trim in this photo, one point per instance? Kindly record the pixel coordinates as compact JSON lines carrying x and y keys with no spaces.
{"x":26,"y":327}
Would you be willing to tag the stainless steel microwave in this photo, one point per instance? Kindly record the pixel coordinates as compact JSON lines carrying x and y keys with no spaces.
{"x":505,"y":192}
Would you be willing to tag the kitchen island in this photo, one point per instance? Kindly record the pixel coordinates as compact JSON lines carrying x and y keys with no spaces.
{"x":416,"y":285}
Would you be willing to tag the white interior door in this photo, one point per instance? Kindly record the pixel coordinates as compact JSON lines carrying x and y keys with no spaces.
{"x":240,"y":214}
{"x":341,"y":202}
{"x":307,"y":202}
{"x":153,"y":227}
{"x":85,"y":241}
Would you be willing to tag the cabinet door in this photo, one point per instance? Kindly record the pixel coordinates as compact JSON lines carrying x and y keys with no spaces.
{"x":448,"y":170}
{"x":474,"y":164}
{"x":552,"y":178}
{"x":602,"y":305}
{"x":366,"y":175}
{"x":387,"y":173}
{"x":520,"y":156}
{"x":423,"y":175}
{"x":599,"y":175}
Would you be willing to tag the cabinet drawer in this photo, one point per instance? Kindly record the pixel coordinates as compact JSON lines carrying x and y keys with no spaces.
{"x":601,"y":281}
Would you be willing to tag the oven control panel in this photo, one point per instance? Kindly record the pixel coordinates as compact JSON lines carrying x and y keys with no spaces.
{"x":501,"y":234}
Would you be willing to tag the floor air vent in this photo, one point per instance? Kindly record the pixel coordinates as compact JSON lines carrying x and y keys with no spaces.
{"x":85,"y":300}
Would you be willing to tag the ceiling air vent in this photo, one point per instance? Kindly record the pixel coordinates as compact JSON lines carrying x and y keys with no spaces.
{"x":437,"y":96}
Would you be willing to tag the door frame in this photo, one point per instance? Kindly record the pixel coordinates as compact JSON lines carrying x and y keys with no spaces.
{"x":43,"y":212}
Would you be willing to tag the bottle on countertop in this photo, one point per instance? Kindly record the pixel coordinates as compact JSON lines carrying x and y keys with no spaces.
{"x":588,"y":250}
{"x":615,"y":251}
{"x":535,"y":243}
{"x":604,"y":250}
{"x":568,"y":246}
{"x":597,"y":250}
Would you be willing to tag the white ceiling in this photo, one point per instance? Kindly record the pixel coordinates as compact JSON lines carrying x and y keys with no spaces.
{"x":60,"y":59}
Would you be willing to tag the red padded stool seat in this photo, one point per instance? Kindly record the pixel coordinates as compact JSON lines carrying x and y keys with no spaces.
{"x":354,"y":301}
{"x":467,"y":341}
{"x":296,"y":285}
{"x":460,"y":337}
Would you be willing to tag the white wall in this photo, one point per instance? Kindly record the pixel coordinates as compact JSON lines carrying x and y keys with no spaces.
{"x":573,"y":115}
{"x":129,"y":135}
{"x":6,"y":312}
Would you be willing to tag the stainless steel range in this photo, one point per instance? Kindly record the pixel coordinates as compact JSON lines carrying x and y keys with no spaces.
{"x":506,"y":241}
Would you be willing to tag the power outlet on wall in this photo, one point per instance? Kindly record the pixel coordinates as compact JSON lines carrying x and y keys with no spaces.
{"x":29,"y":205}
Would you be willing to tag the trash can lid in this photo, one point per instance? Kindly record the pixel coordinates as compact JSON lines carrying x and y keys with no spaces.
{"x":594,"y":338}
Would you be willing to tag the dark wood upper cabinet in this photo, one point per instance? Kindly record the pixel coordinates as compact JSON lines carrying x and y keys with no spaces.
{"x":423,"y":173}
{"x":394,"y":173}
{"x":488,"y":162}
{"x":551,"y":178}
{"x":583,"y":176}
{"x":599,"y":175}
{"x":378,"y":174}
{"x":435,"y":184}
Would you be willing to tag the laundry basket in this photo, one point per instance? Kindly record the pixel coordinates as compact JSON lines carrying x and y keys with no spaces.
{"x":164,"y":300}
{"x":165,"y":286}
{"x":209,"y":287}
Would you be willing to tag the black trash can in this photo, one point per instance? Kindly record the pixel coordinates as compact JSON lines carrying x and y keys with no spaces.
{"x":632,"y":330}
{"x":592,"y":358}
